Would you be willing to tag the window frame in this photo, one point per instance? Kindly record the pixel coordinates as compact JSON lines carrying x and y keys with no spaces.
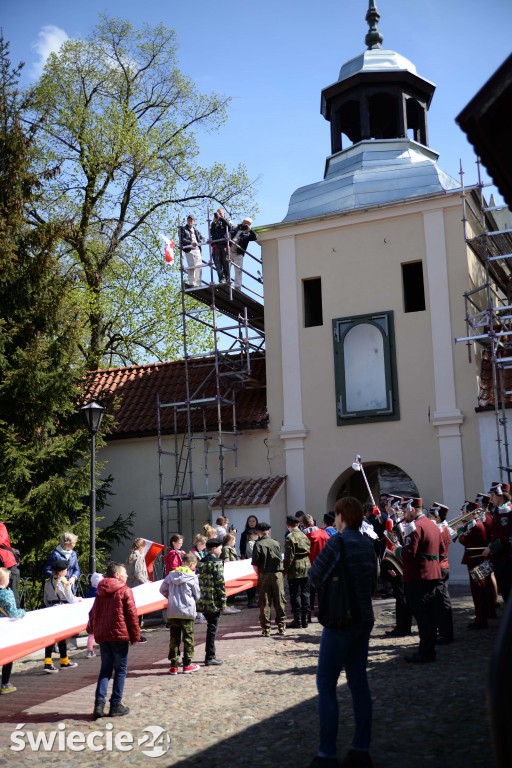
{"x":384,"y":322}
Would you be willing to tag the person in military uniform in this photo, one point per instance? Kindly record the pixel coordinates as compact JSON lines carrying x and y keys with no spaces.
{"x":500,"y":547}
{"x":296,"y":566}
{"x":267,"y":561}
{"x":473,"y":536}
{"x":391,"y":570}
{"x":422,"y":575}
{"x":442,"y":602}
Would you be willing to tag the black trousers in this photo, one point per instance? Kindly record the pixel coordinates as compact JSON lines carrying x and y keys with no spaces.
{"x":299,"y":596}
{"x":421,"y":596}
{"x":211,"y":633}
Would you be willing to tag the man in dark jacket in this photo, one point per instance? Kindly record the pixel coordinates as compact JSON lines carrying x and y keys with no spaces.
{"x":190,"y":244}
{"x":220,"y":229}
{"x":241,"y":236}
{"x":114,"y":623}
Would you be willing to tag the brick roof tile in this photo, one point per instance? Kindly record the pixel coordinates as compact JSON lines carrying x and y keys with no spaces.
{"x":248,"y":491}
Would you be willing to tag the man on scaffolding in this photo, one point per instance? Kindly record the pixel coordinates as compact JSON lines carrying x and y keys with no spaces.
{"x":220,"y":230}
{"x":241,"y":236}
{"x":190,"y":243}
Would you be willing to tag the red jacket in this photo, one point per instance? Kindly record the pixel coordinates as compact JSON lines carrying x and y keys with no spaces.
{"x":421,"y":550}
{"x":318,"y":538}
{"x":113,"y":617}
{"x":172,"y":560}
{"x":8,"y":558}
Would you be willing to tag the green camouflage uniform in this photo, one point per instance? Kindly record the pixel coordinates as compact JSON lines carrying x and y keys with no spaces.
{"x":296,"y":566}
{"x":266,"y":556}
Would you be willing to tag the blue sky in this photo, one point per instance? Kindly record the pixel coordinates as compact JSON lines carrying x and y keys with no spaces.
{"x":274,"y":58}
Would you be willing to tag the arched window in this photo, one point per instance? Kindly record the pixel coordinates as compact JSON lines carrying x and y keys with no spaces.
{"x":365,"y":368}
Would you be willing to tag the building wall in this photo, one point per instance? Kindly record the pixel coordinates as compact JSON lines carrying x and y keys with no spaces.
{"x":358,"y":257}
{"x":134,"y":466}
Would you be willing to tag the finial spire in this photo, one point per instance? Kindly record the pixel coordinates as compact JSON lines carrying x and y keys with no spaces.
{"x":374,"y":38}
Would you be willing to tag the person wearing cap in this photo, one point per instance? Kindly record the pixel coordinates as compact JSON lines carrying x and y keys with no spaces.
{"x":268,"y":563}
{"x":420,"y":555}
{"x":473,"y":536}
{"x":58,"y":590}
{"x":500,"y":547}
{"x":392,"y":571}
{"x":296,"y":567}
{"x":220,"y":230}
{"x":241,"y":236}
{"x":190,"y":244}
{"x":213,"y":595}
{"x":442,"y":601}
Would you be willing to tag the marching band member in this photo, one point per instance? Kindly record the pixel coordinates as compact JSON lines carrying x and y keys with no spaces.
{"x":500,"y":547}
{"x":442,"y":602}
{"x":422,"y":575}
{"x":392,"y":573}
{"x":473,"y":536}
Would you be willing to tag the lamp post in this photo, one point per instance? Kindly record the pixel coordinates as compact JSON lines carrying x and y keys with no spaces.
{"x":93,"y":415}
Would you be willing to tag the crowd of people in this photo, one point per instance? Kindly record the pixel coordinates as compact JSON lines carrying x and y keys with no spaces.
{"x":229,"y":243}
{"x":399,"y":544}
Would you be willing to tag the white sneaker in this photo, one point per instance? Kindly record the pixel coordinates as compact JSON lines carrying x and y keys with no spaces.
{"x":230,"y":609}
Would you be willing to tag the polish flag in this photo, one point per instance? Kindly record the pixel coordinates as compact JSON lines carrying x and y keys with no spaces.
{"x":151,"y":551}
{"x":169,"y":249}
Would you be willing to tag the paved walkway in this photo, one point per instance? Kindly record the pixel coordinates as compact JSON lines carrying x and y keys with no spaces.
{"x":259,"y":708}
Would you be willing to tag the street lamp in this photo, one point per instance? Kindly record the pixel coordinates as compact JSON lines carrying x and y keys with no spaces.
{"x":92,"y":414}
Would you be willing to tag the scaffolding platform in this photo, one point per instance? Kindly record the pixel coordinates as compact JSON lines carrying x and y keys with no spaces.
{"x":231,"y":302}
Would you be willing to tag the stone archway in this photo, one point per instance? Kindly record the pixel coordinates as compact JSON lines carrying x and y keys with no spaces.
{"x":382,"y":478}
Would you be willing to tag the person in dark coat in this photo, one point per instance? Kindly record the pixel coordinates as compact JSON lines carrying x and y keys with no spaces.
{"x":220,"y":229}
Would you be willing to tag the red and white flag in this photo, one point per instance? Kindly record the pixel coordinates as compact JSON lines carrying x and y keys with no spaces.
{"x":151,"y":551}
{"x":169,"y":249}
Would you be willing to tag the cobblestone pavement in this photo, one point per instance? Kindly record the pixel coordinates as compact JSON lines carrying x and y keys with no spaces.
{"x":259,"y":708}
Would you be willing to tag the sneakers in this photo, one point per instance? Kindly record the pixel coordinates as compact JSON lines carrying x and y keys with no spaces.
{"x":230,"y":609}
{"x":143,"y":639}
{"x":213,"y":662}
{"x":72,"y":647}
{"x":50,"y":669}
{"x":200,"y":619}
{"x":191,"y":668}
{"x":8,"y":689}
{"x":90,"y":654}
{"x":69,"y":665}
{"x":265,"y":632}
{"x":281,"y":631}
{"x":173,"y":670}
{"x":99,"y":710}
{"x":118,"y":710}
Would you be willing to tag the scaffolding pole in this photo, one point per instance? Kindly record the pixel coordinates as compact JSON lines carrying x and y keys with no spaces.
{"x":234,"y":321}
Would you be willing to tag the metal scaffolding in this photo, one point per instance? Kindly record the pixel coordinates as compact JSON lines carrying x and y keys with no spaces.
{"x":234,"y":320}
{"x":488,"y":307}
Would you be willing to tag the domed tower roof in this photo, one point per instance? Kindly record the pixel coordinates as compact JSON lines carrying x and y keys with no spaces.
{"x":379,"y":103}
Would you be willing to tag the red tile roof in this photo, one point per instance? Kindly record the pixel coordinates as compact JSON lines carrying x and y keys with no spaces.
{"x":249,"y":491}
{"x":131,"y":395}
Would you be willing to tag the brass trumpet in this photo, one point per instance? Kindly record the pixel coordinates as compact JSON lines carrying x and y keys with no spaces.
{"x":466,"y":516}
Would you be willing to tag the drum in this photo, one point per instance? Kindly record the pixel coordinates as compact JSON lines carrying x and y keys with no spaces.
{"x":481,"y":571}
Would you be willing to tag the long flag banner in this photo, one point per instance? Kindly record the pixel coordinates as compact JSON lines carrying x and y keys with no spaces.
{"x":38,"y":629}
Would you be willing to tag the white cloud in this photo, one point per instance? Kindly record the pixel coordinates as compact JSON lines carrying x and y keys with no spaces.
{"x":49,"y":40}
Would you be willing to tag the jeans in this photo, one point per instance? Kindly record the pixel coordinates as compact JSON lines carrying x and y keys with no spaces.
{"x":344,"y":648}
{"x":114,"y":659}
